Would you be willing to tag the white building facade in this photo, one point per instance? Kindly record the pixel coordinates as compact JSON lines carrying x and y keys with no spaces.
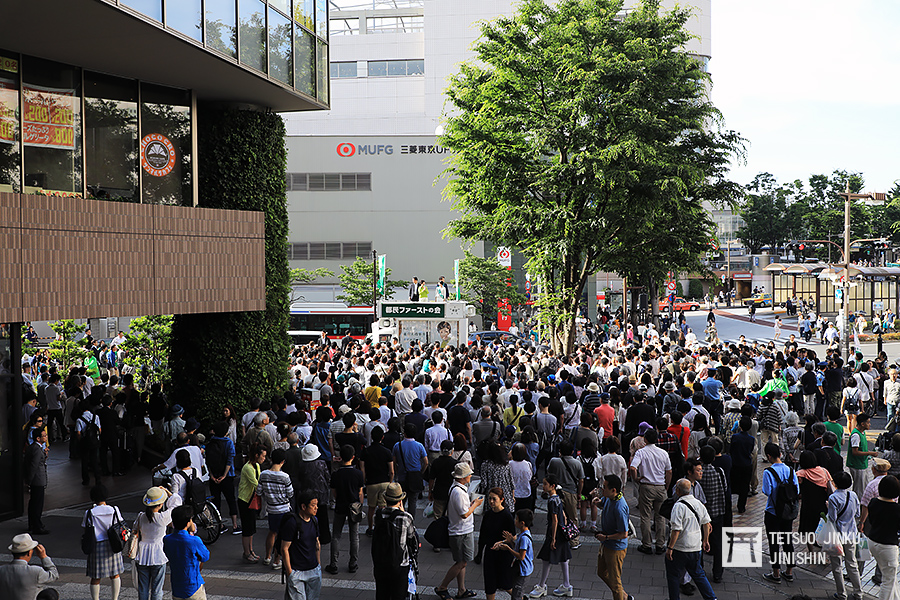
{"x":366,"y":175}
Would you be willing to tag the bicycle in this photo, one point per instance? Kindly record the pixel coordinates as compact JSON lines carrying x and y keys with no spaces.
{"x":207,"y":518}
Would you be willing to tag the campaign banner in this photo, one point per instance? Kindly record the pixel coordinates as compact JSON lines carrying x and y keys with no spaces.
{"x":9,"y":100}
{"x":48,"y":117}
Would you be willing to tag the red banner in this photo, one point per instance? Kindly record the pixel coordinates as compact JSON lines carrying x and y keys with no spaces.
{"x":48,"y":118}
{"x":9,"y":100}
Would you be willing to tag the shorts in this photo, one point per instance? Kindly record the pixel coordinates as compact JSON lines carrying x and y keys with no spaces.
{"x":200,"y":594}
{"x":275,"y":521}
{"x":375,"y":494}
{"x":462,"y":547}
{"x":518,"y":586}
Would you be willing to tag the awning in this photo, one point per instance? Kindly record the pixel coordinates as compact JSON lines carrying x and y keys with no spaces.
{"x":805,"y":268}
{"x":873,"y":271}
{"x":775,"y":267}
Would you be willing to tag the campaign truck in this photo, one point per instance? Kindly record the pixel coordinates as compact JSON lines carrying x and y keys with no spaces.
{"x":425,"y":323}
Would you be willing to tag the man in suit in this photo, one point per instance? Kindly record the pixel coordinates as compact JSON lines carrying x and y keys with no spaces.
{"x":830,"y":460}
{"x":18,"y":579}
{"x":414,"y":290}
{"x":36,"y":478}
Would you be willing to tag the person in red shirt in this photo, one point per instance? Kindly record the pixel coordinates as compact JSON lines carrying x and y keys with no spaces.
{"x":605,"y":415}
{"x":681,"y":433}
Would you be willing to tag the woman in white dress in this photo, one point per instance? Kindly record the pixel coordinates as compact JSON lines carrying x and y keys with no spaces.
{"x":777,"y":333}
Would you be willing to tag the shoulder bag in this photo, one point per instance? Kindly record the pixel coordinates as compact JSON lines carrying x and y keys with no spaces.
{"x":131,"y":544}
{"x":89,"y":537}
{"x":118,"y":533}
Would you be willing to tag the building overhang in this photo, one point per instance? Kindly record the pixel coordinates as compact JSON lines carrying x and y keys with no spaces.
{"x":100,"y":36}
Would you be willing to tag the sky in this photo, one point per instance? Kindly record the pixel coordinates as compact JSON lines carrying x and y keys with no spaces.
{"x":813,"y":85}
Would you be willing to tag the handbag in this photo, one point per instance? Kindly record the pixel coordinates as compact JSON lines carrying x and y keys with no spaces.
{"x":356,"y":512}
{"x":118,"y":533}
{"x":89,"y":537}
{"x":438,"y":533}
{"x":131,"y":544}
{"x":255,"y":502}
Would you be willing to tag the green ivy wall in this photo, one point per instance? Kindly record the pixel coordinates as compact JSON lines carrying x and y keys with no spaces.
{"x":228,"y":358}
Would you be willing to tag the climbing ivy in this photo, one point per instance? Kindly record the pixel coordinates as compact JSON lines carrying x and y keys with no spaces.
{"x":228,"y":358}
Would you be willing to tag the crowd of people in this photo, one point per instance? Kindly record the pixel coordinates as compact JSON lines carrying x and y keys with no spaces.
{"x":625,"y":424}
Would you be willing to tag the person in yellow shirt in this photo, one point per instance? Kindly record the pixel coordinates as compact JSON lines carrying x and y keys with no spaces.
{"x":373,"y":392}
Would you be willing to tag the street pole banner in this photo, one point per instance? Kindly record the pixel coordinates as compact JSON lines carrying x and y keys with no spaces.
{"x":456,"y":277}
{"x":381,"y":273}
{"x":504,"y":256}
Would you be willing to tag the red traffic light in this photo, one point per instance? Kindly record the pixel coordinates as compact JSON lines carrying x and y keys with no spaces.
{"x":802,"y":246}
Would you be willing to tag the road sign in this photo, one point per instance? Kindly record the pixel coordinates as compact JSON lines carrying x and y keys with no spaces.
{"x":878,"y":306}
{"x":671,"y":298}
{"x":670,"y":286}
{"x":838,"y":293}
{"x":504,"y":256}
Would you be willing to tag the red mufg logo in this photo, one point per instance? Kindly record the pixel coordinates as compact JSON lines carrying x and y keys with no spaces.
{"x":346,"y":149}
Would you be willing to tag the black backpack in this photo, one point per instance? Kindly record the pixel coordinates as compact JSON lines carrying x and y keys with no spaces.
{"x":194,"y":490}
{"x":590,"y":477}
{"x":90,"y":435}
{"x":217,"y":457}
{"x":387,"y":547}
{"x":787,"y":498}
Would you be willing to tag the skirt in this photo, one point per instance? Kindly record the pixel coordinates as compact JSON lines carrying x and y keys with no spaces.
{"x":103,"y":562}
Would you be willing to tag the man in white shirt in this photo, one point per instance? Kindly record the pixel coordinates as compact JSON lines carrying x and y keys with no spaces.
{"x":403,"y":399}
{"x":891,"y":396}
{"x":691,"y":527}
{"x":461,"y":529}
{"x":198,"y":462}
{"x":434,"y":435}
{"x":652,"y":467}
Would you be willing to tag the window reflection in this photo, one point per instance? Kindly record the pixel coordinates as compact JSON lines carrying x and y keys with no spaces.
{"x":322,"y":18}
{"x":165,"y":146}
{"x":151,"y":8}
{"x":304,"y":13}
{"x":8,"y":436}
{"x":282,"y":5}
{"x":322,"y":71}
{"x":280,"y":47}
{"x":10,"y":146}
{"x":185,"y":16}
{"x":110,"y":137}
{"x":221,"y":26}
{"x":253,"y":34}
{"x":305,"y":63}
{"x":51,"y":126}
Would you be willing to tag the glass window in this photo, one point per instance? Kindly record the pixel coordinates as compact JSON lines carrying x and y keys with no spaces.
{"x":10,"y":144}
{"x":185,"y":16}
{"x":221,"y":26}
{"x":51,"y":123}
{"x":396,"y":67}
{"x":151,"y":8}
{"x":322,"y":18}
{"x":377,"y":68}
{"x":10,"y":422}
{"x":344,"y":26}
{"x":280,"y":47}
{"x":165,"y":148}
{"x":304,"y":62}
{"x":110,"y":137}
{"x":282,"y":5}
{"x":253,"y":34}
{"x":415,"y":67}
{"x":322,"y":71}
{"x":413,"y":24}
{"x":343,"y":70}
{"x":304,"y":13}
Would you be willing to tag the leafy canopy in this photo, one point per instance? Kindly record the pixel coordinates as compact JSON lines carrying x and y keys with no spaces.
{"x":356,"y":282}
{"x":484,"y":282}
{"x":586,"y":139}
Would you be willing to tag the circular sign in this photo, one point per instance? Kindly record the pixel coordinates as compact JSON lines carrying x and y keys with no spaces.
{"x":346,"y":149}
{"x":670,"y":286}
{"x":503,"y":254}
{"x":157,"y":155}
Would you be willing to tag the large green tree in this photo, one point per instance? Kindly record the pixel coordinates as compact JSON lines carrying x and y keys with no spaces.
{"x":356,"y":283}
{"x":586,"y":138}
{"x":763,"y":209}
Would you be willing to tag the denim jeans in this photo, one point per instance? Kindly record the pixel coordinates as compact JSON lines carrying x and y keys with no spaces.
{"x":150,"y":581}
{"x":304,"y":585}
{"x":687,"y":562}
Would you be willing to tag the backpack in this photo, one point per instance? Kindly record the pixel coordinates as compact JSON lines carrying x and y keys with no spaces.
{"x":387,"y":547}
{"x":104,"y":360}
{"x":195,"y":493}
{"x":590,"y":477}
{"x":90,"y":435}
{"x":217,"y":457}
{"x":787,"y":498}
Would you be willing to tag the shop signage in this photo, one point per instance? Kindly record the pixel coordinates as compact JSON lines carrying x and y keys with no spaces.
{"x":504,"y":256}
{"x":421,"y":309}
{"x":157,"y":155}
{"x":9,"y":64}
{"x":9,"y":100}
{"x":346,"y":149}
{"x":48,"y":118}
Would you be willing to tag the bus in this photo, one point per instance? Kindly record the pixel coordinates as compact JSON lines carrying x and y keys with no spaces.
{"x":336,"y":320}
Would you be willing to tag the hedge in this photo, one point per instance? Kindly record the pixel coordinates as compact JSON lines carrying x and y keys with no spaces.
{"x":228,"y":358}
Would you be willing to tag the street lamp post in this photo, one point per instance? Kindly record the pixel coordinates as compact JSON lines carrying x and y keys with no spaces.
{"x":846,"y":295}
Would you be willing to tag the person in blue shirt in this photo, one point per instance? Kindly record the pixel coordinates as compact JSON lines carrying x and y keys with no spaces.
{"x":778,"y":544}
{"x":186,"y":555}
{"x":613,"y":536}
{"x":523,"y":566}
{"x":411,"y":457}
{"x":712,"y":400}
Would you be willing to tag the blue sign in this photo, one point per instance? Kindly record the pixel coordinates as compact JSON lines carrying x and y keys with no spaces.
{"x":755,"y":261}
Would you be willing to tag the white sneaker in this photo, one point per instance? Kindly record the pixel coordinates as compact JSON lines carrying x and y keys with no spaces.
{"x":538,"y":591}
{"x":564,"y":591}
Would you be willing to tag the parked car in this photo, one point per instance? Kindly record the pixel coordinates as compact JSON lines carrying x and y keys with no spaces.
{"x":505,"y":337}
{"x":760,"y":300}
{"x":680,"y":304}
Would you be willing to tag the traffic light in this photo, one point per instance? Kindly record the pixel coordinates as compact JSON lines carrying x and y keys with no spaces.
{"x":801,"y":247}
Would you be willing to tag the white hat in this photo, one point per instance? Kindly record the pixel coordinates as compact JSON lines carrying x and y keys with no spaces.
{"x":593,"y":387}
{"x":344,"y":409}
{"x":22,"y":543}
{"x":310,"y":452}
{"x":461,"y":470}
{"x":733,"y":404}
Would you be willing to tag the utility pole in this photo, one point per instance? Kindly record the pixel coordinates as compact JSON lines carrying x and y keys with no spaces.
{"x":846,"y":294}
{"x":374,"y":286}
